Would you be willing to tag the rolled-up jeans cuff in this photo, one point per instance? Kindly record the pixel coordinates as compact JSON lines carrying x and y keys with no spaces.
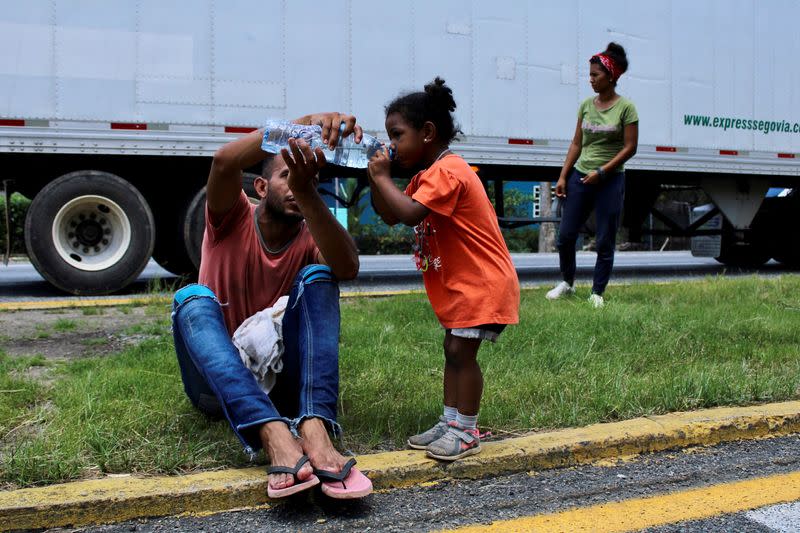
{"x":332,"y":425}
{"x":241,"y":429}
{"x":188,"y":293}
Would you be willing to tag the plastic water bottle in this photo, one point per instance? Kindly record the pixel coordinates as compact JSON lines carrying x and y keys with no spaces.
{"x":347,"y":153}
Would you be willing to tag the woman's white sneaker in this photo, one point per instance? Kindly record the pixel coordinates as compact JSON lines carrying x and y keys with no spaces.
{"x":559,"y":291}
{"x":597,"y":301}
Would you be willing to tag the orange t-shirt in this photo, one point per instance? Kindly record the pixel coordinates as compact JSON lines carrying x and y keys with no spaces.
{"x":470,"y":278}
{"x":244,"y":276}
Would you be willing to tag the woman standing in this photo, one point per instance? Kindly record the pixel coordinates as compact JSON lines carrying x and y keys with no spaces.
{"x":593,"y":177}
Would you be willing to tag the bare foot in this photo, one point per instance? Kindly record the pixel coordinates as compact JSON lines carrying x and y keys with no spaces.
{"x":318,"y":446}
{"x":282,"y":449}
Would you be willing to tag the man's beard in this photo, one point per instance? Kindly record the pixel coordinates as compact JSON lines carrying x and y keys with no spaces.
{"x":277,"y":212}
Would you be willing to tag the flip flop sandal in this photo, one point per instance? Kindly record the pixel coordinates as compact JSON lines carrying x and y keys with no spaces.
{"x":348,"y":484}
{"x":298,"y":485}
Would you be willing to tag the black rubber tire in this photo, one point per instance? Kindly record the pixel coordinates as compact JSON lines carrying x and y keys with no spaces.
{"x":194,"y":226}
{"x":784,"y":243}
{"x":788,"y":258}
{"x":42,"y":249}
{"x":171,"y":250}
{"x":744,"y":255}
{"x":171,"y":255}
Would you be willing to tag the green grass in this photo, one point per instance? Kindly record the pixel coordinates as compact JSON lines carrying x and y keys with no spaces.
{"x":64,"y":324}
{"x":92,"y":311}
{"x":157,"y":309}
{"x":652,"y":349}
{"x":148,"y":328}
{"x":19,"y":397}
{"x":94,"y":341}
{"x":120,"y":414}
{"x":42,"y":332}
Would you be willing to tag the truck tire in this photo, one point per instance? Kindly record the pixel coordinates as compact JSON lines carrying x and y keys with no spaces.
{"x":89,"y":232}
{"x":170,"y":253}
{"x":785,"y":245}
{"x":194,"y":224}
{"x":788,"y":258}
{"x":171,"y":250}
{"x":751,"y":254}
{"x":742,"y":254}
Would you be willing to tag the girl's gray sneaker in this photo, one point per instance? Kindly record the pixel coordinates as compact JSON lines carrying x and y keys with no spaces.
{"x":458,"y":442}
{"x":421,"y":441}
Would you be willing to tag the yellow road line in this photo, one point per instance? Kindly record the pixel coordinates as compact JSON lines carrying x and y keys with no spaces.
{"x":115,"y":499}
{"x":640,"y":513}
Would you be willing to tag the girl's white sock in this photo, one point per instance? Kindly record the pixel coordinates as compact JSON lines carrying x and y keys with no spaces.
{"x":450,"y":413}
{"x":466,"y":421}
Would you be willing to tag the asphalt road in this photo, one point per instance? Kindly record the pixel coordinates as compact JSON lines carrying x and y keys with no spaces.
{"x":19,"y":280}
{"x":671,"y":479}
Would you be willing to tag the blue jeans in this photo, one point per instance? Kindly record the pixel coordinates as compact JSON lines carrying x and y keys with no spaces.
{"x":606,"y":199}
{"x":217,"y":382}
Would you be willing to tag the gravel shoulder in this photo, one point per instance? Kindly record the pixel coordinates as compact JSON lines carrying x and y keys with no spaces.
{"x":65,"y":334}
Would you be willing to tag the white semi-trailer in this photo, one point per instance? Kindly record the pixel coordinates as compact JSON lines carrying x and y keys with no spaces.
{"x":110,"y":111}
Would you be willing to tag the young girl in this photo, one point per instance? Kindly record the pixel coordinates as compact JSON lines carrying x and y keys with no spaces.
{"x":469,"y":277}
{"x":605,"y":138}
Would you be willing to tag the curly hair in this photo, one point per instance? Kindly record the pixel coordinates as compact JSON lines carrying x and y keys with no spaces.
{"x":434,"y":104}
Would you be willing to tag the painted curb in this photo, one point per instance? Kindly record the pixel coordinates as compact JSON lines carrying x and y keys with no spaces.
{"x":69,"y":303}
{"x":119,"y":498}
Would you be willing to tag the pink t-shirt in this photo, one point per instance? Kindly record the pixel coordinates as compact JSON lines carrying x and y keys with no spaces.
{"x":244,"y":276}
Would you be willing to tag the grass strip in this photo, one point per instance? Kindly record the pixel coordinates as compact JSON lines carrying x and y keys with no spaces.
{"x":653,"y":349}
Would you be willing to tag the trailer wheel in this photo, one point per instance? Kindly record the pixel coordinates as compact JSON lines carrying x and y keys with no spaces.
{"x":89,"y":232}
{"x":788,"y":258}
{"x":745,"y":255}
{"x":171,"y":250}
{"x":194,"y":225}
{"x":785,"y":245}
{"x":170,"y":254}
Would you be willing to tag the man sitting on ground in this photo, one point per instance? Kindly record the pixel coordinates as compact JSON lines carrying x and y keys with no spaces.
{"x":287,"y":244}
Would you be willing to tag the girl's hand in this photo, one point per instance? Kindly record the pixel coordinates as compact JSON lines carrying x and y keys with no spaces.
{"x":591,"y":178}
{"x":561,"y":188}
{"x":380,"y":164}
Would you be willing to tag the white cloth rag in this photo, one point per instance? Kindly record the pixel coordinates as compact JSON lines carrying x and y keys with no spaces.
{"x":259,"y":340}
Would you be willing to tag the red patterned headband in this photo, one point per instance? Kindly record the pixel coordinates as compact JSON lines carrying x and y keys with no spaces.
{"x":609,"y":65}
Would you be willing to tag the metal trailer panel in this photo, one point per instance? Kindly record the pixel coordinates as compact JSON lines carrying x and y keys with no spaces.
{"x":518,"y":70}
{"x":776,"y":76}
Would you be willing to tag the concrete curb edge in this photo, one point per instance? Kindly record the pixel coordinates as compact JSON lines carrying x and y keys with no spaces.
{"x":119,"y":498}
